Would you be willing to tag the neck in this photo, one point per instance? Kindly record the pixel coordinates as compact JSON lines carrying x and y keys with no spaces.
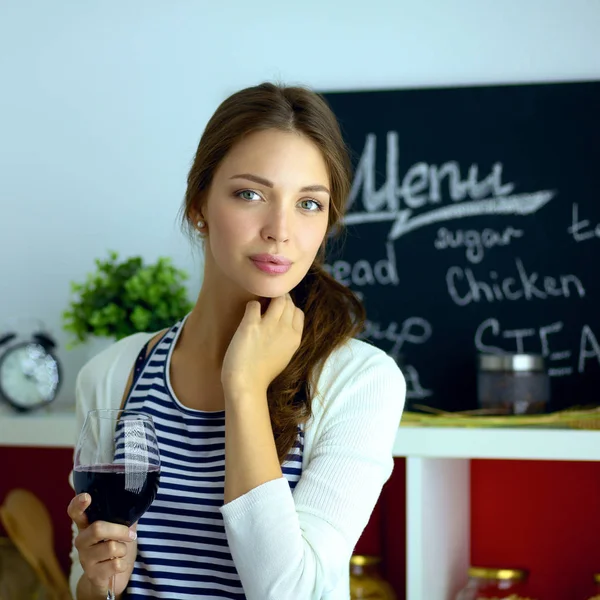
{"x":213,"y":321}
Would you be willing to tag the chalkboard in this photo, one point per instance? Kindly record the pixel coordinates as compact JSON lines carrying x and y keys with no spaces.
{"x":473,"y":225}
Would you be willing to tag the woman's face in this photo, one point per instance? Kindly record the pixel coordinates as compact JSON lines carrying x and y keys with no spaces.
{"x":266,"y":213}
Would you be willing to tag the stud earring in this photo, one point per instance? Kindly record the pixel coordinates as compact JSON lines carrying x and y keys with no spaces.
{"x":200,"y":224}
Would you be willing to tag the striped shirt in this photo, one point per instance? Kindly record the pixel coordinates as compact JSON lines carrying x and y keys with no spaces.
{"x":183,"y":551}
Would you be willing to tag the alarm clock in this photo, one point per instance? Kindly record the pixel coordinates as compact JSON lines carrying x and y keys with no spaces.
{"x":30,"y":373}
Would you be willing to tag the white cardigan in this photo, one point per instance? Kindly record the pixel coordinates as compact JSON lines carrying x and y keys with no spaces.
{"x":295,"y":546}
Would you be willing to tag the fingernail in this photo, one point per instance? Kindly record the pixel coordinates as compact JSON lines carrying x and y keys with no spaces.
{"x":132,"y":535}
{"x":83,"y":498}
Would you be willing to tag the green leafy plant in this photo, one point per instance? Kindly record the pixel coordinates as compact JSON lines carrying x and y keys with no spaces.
{"x":124,"y":297}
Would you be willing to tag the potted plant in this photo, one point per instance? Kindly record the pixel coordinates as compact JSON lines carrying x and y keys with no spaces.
{"x":126,"y":296}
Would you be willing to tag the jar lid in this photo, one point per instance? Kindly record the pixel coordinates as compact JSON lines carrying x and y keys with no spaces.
{"x":511,"y":362}
{"x":485,"y":573}
{"x":361,"y":560}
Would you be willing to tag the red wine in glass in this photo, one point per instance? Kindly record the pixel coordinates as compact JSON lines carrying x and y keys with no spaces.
{"x":118,"y":496}
{"x":117,"y":462}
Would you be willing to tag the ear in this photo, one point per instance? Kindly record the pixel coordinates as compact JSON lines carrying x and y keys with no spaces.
{"x":195,"y":215}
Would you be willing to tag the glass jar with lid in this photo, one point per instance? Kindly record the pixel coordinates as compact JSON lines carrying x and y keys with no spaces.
{"x":366,"y":581}
{"x":494,"y":584}
{"x":513,"y":383}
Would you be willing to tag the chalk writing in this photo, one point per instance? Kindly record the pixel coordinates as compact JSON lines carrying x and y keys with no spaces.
{"x":414,"y":389}
{"x":413,"y":330}
{"x":538,"y":340}
{"x":361,"y":273}
{"x":464,"y":287}
{"x":580,"y":230}
{"x":475,"y":242}
{"x":422,"y":186}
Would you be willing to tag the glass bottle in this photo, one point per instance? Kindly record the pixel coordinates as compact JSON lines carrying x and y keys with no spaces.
{"x":366,"y":581}
{"x":494,"y":584}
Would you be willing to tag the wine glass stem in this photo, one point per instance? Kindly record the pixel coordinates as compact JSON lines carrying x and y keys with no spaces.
{"x":111,"y":589}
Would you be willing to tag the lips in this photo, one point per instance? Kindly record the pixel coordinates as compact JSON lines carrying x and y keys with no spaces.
{"x":275,"y":259}
{"x":271,"y":263}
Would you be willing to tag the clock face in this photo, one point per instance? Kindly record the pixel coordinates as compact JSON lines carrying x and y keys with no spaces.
{"x":29,"y":375}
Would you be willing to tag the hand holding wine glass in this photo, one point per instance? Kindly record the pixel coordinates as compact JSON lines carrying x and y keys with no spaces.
{"x":116,"y":472}
{"x":106,"y":550}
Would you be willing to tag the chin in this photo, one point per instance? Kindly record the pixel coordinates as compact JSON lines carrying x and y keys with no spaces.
{"x":270,"y":289}
{"x":268,"y":292}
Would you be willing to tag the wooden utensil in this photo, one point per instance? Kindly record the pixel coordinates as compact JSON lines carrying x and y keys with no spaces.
{"x":28,"y":524}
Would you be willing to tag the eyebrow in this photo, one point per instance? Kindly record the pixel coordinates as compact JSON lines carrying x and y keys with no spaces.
{"x":262,"y":181}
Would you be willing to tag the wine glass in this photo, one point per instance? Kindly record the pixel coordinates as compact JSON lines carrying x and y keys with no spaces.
{"x":117,"y":462}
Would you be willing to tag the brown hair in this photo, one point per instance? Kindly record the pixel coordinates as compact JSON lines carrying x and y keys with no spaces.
{"x":333,"y":314}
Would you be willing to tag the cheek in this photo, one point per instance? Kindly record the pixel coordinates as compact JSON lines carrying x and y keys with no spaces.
{"x":312,"y":238}
{"x":227,"y":228}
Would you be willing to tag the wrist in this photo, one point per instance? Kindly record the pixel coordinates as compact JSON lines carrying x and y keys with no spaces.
{"x":238,"y":391}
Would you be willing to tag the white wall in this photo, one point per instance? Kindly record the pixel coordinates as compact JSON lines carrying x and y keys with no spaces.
{"x":102,"y":104}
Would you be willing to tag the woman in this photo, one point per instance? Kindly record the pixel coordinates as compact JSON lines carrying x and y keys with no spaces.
{"x":275,"y":426}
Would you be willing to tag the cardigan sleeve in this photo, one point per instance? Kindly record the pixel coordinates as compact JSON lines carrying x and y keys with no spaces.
{"x":82,"y":405}
{"x":288,"y":546}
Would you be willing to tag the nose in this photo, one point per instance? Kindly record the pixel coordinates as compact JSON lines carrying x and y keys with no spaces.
{"x":277,"y":225}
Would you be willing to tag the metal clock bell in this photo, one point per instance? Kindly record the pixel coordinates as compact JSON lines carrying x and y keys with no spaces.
{"x":30,"y":373}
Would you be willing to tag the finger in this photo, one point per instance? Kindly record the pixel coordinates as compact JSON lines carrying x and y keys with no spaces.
{"x":106,"y":551}
{"x":76,"y":510}
{"x":252,"y":312}
{"x":298,"y":320}
{"x":103,"y":571}
{"x":103,"y":530}
{"x":275,"y":310}
{"x":288,"y":311}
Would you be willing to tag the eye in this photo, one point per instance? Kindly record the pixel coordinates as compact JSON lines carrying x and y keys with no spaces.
{"x":316,"y":206}
{"x":248,"y":195}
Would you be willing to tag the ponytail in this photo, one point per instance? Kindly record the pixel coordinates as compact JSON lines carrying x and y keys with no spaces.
{"x":332,"y":315}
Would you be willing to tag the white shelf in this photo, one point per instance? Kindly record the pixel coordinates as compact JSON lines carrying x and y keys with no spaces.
{"x":514,"y":443}
{"x":57,"y":429}
{"x":44,"y":429}
{"x":438,"y":527}
{"x":438,"y":492}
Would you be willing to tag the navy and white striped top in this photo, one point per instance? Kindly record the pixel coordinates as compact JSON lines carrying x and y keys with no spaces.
{"x":183,"y":552}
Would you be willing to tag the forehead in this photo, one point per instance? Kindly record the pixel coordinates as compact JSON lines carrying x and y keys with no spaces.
{"x":285,"y":158}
